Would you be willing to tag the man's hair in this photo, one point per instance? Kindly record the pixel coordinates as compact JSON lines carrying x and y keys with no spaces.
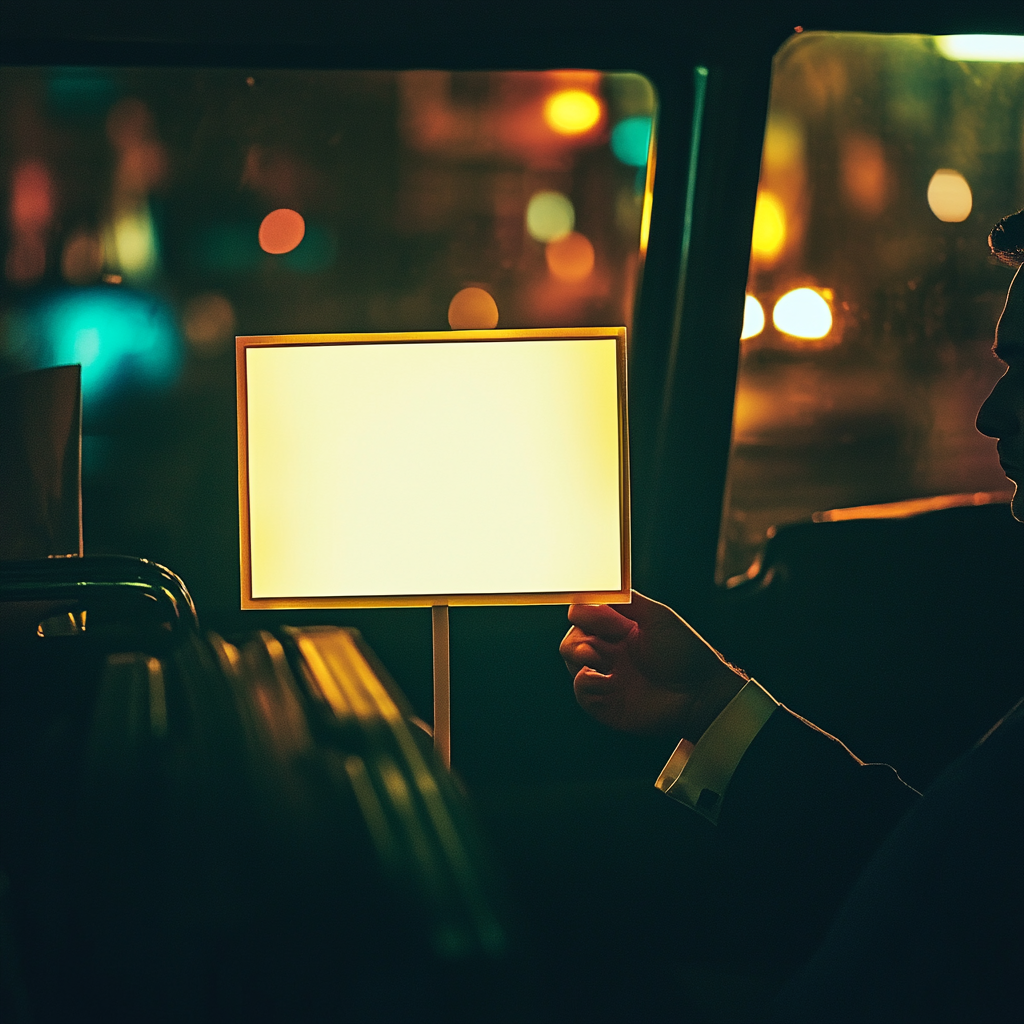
{"x":1007,"y":240}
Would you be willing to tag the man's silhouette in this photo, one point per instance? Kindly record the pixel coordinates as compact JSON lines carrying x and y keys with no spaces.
{"x":925,"y":893}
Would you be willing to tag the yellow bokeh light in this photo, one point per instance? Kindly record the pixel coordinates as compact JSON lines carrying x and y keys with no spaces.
{"x":572,"y":111}
{"x":134,"y":242}
{"x":549,"y":216}
{"x":949,"y":196}
{"x":769,"y":226}
{"x":783,"y":143}
{"x":803,"y":313}
{"x":753,"y":318}
{"x":981,"y":47}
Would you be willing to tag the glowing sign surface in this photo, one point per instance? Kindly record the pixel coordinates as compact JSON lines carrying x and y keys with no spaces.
{"x":464,"y":467}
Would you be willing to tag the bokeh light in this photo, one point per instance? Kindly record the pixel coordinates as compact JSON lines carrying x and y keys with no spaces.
{"x":31,"y":196}
{"x":472,"y":309}
{"x":784,"y":144}
{"x":572,"y":111}
{"x":209,"y":323}
{"x":78,"y":91}
{"x":769,"y":227}
{"x":864,"y":172}
{"x":123,"y":339}
{"x":803,"y":313}
{"x":318,"y":251}
{"x":226,"y":247}
{"x":142,"y":159}
{"x":981,"y":47}
{"x":128,"y":121}
{"x":31,"y":211}
{"x":631,"y":140}
{"x":753,"y":318}
{"x":82,"y":258}
{"x":570,"y":259}
{"x":26,"y":259}
{"x":281,"y":231}
{"x":134,"y":242}
{"x":549,"y":216}
{"x":949,"y":196}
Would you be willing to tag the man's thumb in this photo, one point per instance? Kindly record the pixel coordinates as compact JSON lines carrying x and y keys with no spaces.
{"x":642,"y":610}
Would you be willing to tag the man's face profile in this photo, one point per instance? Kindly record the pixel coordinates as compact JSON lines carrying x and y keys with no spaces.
{"x":1002,"y":414}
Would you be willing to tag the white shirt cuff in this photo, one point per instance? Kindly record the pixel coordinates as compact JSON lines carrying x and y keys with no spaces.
{"x":698,"y":776}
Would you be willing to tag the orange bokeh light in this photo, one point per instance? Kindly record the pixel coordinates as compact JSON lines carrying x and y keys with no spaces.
{"x":570,"y":258}
{"x":31,"y":196}
{"x":82,"y":259}
{"x":473,"y":309}
{"x":129,"y":122}
{"x":281,"y":231}
{"x":865,"y":173}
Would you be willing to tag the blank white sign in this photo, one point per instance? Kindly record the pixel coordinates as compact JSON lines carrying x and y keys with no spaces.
{"x":449,"y":469}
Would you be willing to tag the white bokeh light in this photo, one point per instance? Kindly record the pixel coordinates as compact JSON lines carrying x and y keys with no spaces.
{"x":949,"y":196}
{"x":753,"y":318}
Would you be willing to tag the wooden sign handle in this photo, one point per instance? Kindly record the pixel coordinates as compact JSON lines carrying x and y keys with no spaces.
{"x":442,"y":685}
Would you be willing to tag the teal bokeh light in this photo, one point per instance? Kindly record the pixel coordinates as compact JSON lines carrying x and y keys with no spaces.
{"x":229,"y":248}
{"x":316,"y":251}
{"x":631,"y":139}
{"x":124,"y":340}
{"x":80,"y":91}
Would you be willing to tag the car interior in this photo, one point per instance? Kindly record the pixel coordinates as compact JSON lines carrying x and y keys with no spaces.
{"x":215,"y":813}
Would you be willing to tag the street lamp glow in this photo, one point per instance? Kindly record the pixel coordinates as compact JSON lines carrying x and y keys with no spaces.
{"x":572,"y":111}
{"x":753,"y":318}
{"x":769,"y":226}
{"x":803,"y":313}
{"x":981,"y":48}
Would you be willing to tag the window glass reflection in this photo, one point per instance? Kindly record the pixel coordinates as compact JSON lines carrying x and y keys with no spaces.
{"x":149,"y":215}
{"x":872,"y":299}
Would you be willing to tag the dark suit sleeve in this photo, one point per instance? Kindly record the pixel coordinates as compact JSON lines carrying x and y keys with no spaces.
{"x":800,"y":820}
{"x":933,"y":929}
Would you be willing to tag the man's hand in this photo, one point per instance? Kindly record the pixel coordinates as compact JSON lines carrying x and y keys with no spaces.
{"x":640,"y":668}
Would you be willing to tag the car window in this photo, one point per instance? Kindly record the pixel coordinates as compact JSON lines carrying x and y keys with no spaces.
{"x":150,"y":215}
{"x":871,"y":297}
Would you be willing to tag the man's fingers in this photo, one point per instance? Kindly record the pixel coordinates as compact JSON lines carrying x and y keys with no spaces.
{"x":589,"y":684}
{"x":578,"y":649}
{"x":602,"y":621}
{"x":587,"y":654}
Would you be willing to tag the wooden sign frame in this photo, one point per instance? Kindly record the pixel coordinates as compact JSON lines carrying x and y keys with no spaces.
{"x":244,"y":344}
